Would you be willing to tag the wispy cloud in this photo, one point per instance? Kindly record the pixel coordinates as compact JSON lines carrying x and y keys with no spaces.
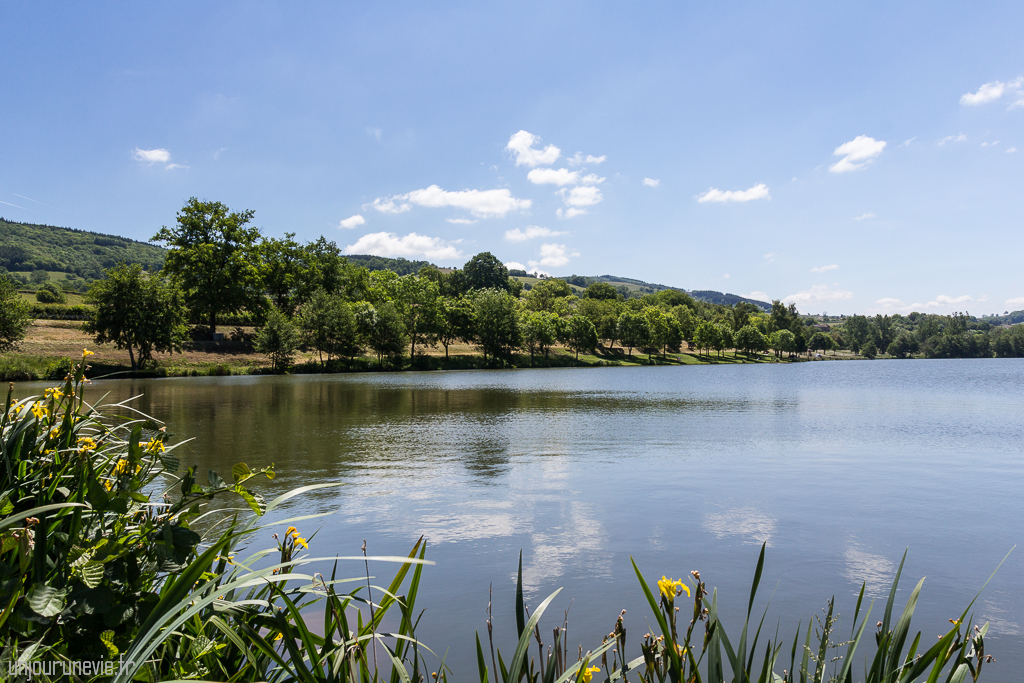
{"x":352,"y":222}
{"x":770,"y":258}
{"x":818,"y":294}
{"x":14,"y":205}
{"x":36,"y":201}
{"x":521,"y":144}
{"x":759,"y":191}
{"x":531,"y":232}
{"x":461,"y":221}
{"x":651,"y":182}
{"x":152,"y":156}
{"x":578,"y":159}
{"x":952,"y":138}
{"x":941,"y":302}
{"x":1011,"y":150}
{"x":408,"y":246}
{"x":581,"y":196}
{"x":906,"y":143}
{"x":865,"y":216}
{"x":480,"y":203}
{"x":1018,"y":301}
{"x":990,"y":92}
{"x":570,"y":213}
{"x":825,"y":269}
{"x":856,"y":154}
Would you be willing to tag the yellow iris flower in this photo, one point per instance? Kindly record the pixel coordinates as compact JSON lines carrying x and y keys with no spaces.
{"x":86,"y":443}
{"x":589,"y":673}
{"x":54,"y":393}
{"x":668,"y":587}
{"x":86,"y":353}
{"x":153,"y":446}
{"x":39,"y":410}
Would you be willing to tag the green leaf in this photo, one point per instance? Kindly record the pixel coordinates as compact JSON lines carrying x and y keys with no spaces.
{"x":215,"y":481}
{"x":107,"y":637}
{"x":255,"y":500}
{"x":45,"y":600}
{"x":92,"y":574}
{"x":241,"y":472}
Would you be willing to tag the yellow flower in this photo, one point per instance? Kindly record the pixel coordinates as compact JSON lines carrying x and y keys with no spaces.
{"x":589,"y":673}
{"x":86,"y":353}
{"x":54,"y":433}
{"x":86,"y":444}
{"x":39,"y":410}
{"x":122,"y":467}
{"x":108,"y":485}
{"x":153,"y":446}
{"x":289,"y":530}
{"x":668,"y":587}
{"x":302,"y":542}
{"x":54,"y":393}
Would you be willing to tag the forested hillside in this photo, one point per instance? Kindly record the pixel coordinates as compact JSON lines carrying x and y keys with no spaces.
{"x":27,"y":247}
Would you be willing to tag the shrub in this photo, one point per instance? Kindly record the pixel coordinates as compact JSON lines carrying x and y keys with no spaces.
{"x":50,"y":293}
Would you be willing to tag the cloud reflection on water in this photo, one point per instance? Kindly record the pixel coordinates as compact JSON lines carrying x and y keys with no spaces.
{"x":750,"y":523}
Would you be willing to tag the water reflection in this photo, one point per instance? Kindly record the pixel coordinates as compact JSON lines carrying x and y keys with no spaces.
{"x":750,"y":524}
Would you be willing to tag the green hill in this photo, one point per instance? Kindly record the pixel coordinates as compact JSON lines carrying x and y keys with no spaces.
{"x":27,"y":247}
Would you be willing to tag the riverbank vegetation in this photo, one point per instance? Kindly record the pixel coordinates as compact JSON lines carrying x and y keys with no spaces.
{"x":113,"y":553}
{"x":301,"y":308}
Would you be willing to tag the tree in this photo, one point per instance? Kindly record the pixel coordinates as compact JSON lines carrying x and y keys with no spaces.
{"x":544,"y":294}
{"x":329,"y":326}
{"x":418,"y":302}
{"x":741,"y":313}
{"x":868,"y":349}
{"x":856,"y":331}
{"x":706,"y":336}
{"x":750,"y":339}
{"x":580,"y":335}
{"x":723,"y":337}
{"x":819,"y":342}
{"x":497,"y":324}
{"x":282,"y":268}
{"x":485,"y":271}
{"x":278,"y":338}
{"x":687,"y":321}
{"x":600,"y":290}
{"x":213,"y":258}
{"x":456,"y":320}
{"x":14,"y":316}
{"x":632,"y":330}
{"x":50,"y":293}
{"x":138,"y":312}
{"x":662,"y":328}
{"x":782,"y":341}
{"x":902,"y":346}
{"x":382,"y":328}
{"x":540,"y":331}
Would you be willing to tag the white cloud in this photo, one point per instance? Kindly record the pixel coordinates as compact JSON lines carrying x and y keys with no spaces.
{"x":1019,"y":301}
{"x":865,"y":216}
{"x":1011,"y":150}
{"x":171,"y":167}
{"x":514,"y":265}
{"x":770,"y":258}
{"x":531,"y":232}
{"x":375,"y":132}
{"x":818,"y":294}
{"x":861,"y":149}
{"x":990,"y":144}
{"x":591,"y":179}
{"x":461,"y":221}
{"x":952,"y":138}
{"x":152,"y":156}
{"x":570,"y":213}
{"x":522,"y":145}
{"x":553,"y":176}
{"x":409,"y":246}
{"x":906,"y":143}
{"x":759,"y":296}
{"x":943,"y":301}
{"x":651,"y":182}
{"x":554,"y":255}
{"x":581,"y":196}
{"x":990,"y":92}
{"x":759,"y":191}
{"x":726,"y":276}
{"x":352,"y":222}
{"x":825,"y":269}
{"x":480,"y":203}
{"x":578,"y":159}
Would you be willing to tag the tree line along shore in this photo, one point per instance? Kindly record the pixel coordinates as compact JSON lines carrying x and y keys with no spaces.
{"x":228,"y":300}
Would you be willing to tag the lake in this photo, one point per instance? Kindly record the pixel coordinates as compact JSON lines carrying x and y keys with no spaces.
{"x":837,"y":466}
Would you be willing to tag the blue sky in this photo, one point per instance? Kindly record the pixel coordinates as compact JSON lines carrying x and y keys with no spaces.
{"x":849,"y":157}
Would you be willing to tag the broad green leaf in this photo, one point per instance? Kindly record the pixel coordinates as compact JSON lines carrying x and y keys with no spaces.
{"x":255,"y":500}
{"x":241,"y":471}
{"x":92,"y":574}
{"x":45,"y":600}
{"x":107,"y":637}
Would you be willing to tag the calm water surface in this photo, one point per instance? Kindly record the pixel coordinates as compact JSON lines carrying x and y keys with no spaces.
{"x":838,"y":467}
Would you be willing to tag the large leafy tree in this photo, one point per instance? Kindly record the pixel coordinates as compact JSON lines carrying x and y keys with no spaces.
{"x":540,"y":331}
{"x":632,"y":330}
{"x":419,"y":303}
{"x":213,"y":256}
{"x":278,"y":338}
{"x":282,"y":268}
{"x":497,"y":322}
{"x":14,"y":316}
{"x":137,"y":311}
{"x":485,"y":271}
{"x":579,"y":335}
{"x":456,"y":321}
